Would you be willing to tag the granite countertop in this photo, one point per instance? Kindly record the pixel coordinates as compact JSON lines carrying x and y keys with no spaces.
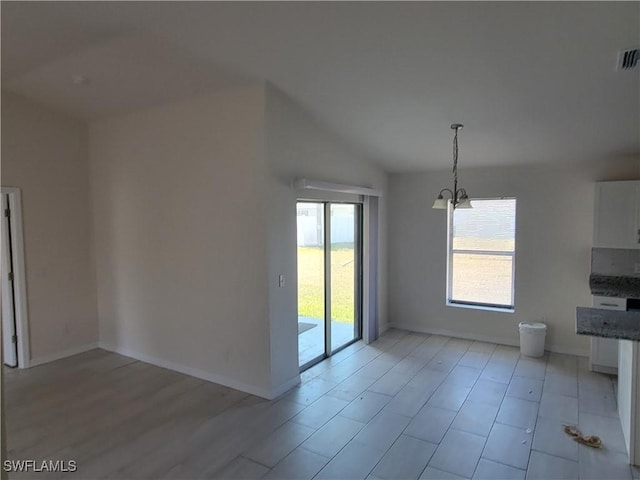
{"x":597,"y":322}
{"x":614,"y":286}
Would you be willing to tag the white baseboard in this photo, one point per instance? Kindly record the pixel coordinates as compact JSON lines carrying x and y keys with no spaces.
{"x":451,"y":333}
{"x":383,"y":327}
{"x":579,"y":352}
{"x":61,"y":354}
{"x":285,"y":387}
{"x":269,"y":394}
{"x":513,"y":342}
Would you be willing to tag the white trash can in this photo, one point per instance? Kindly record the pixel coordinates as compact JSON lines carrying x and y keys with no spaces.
{"x":532,"y":336}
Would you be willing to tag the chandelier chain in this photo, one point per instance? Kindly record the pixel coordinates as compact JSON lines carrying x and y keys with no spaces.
{"x":455,"y":158}
{"x":459,"y":197}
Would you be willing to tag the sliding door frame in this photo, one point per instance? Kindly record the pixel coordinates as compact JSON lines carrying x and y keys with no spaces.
{"x":327,"y":280}
{"x":358,"y":276}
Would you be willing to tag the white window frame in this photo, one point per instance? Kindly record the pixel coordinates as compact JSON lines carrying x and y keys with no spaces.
{"x":450,"y":251}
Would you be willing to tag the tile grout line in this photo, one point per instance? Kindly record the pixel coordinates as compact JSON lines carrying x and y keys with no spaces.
{"x":496,"y":421}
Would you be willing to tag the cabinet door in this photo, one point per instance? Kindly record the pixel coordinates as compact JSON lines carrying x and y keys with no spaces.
{"x":617,"y":215}
{"x":604,"y":355}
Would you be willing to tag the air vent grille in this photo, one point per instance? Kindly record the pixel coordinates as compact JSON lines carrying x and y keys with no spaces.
{"x":628,"y":59}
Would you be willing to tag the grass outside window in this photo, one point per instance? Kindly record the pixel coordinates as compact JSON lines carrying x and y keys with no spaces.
{"x":311,"y":282}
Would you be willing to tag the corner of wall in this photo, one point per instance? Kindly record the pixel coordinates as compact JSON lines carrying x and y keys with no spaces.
{"x":45,"y":154}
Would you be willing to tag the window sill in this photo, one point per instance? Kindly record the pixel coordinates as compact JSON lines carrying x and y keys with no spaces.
{"x":481,"y":307}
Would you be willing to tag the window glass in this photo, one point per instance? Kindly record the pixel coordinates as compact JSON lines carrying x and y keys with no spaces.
{"x":481,"y":263}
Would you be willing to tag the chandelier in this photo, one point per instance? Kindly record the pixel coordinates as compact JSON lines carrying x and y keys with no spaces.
{"x":459,"y":197}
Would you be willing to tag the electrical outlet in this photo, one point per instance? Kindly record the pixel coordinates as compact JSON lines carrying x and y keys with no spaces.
{"x":281,"y":281}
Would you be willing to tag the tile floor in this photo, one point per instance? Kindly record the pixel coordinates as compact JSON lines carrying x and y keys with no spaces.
{"x":434,"y":407}
{"x":409,"y":406}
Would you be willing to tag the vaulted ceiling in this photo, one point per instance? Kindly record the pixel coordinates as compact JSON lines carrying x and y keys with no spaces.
{"x":531,"y":81}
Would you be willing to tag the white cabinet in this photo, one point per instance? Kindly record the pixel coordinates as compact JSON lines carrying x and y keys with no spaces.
{"x":604,"y":351}
{"x":629,"y":397}
{"x":617,"y":214}
{"x":604,"y":355}
{"x":610,"y":303}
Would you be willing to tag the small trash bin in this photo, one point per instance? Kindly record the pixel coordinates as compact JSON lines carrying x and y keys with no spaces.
{"x":532,"y":336}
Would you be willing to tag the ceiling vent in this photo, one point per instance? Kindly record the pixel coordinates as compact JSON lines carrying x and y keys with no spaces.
{"x":628,"y":59}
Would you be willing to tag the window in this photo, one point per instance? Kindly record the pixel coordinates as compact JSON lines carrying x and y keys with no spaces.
{"x":481,"y":265}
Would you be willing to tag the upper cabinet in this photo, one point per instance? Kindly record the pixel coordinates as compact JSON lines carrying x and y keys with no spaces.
{"x":617,"y":215}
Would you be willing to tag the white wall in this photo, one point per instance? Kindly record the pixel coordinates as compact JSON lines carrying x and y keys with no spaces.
{"x":44,"y":153}
{"x":553,"y":245}
{"x":296,"y":146}
{"x":194,"y":219}
{"x":179,"y":222}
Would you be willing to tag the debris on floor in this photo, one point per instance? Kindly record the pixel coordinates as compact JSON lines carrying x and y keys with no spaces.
{"x":588,"y":440}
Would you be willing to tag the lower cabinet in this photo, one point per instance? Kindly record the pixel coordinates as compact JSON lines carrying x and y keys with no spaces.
{"x":604,"y":351}
{"x":604,"y":355}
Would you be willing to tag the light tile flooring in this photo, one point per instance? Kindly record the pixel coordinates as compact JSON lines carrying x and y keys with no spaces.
{"x":408,"y":406}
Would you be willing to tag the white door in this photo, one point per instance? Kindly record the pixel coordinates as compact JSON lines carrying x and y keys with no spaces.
{"x":9,"y":339}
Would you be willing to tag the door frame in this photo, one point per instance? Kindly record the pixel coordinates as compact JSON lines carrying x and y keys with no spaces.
{"x":19,"y":275}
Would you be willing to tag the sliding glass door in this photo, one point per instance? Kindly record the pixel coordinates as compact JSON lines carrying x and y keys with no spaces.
{"x":329,"y":278}
{"x":311,"y":281}
{"x":345,"y":278}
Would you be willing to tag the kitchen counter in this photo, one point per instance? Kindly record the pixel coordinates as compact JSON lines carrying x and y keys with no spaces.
{"x":614,"y":285}
{"x":598,"y":322}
